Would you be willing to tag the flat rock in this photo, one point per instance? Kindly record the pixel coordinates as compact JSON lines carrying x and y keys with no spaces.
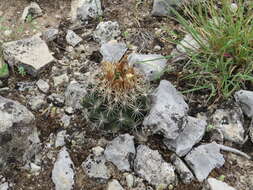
{"x":184,"y":172}
{"x":60,"y":138}
{"x":61,"y":79}
{"x":121,"y":152}
{"x":17,"y":132}
{"x":245,"y":99}
{"x":114,"y":185}
{"x":4,"y":186}
{"x":150,"y":65}
{"x":50,"y":34}
{"x":113,"y":51}
{"x":214,"y":184}
{"x":31,"y":53}
{"x":162,"y":7}
{"x":188,"y":44}
{"x":203,"y":159}
{"x":192,"y":133}
{"x":168,"y":111}
{"x":106,"y":31}
{"x":230,"y":123}
{"x":32,"y":10}
{"x":150,"y":165}
{"x":72,"y":38}
{"x":82,"y":10}
{"x":63,"y":172}
{"x":43,"y":86}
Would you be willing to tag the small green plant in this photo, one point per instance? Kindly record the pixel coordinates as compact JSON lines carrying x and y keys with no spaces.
{"x":117,"y":97}
{"x":21,"y":71}
{"x":224,"y":61}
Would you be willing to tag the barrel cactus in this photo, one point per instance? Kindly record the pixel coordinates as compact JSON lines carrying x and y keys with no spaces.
{"x":117,"y":97}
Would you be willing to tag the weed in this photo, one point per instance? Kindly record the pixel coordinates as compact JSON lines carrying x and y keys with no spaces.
{"x":21,"y":71}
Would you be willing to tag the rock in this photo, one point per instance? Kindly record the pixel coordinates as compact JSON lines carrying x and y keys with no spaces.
{"x":113,"y":51}
{"x":4,"y":186}
{"x":106,"y":31}
{"x":50,"y":34}
{"x":65,"y":120}
{"x":34,"y":169}
{"x":192,"y":133}
{"x":203,"y":159}
{"x":43,"y":86}
{"x":61,"y":79}
{"x":150,"y":165}
{"x":36,"y":102}
{"x":74,"y":94}
{"x":214,"y":184}
{"x":150,"y":65}
{"x":7,"y":33}
{"x":130,"y":180}
{"x":121,"y":152}
{"x":167,"y":114}
{"x":251,"y":131}
{"x":114,"y":185}
{"x":82,"y":10}
{"x":56,"y":99}
{"x":98,"y":150}
{"x":17,"y":132}
{"x":25,"y":86}
{"x":245,"y":99}
{"x":30,"y":53}
{"x":63,"y":172}
{"x":94,"y":167}
{"x":69,"y":110}
{"x":72,"y":38}
{"x":188,"y":44}
{"x":32,"y":10}
{"x":162,"y":7}
{"x":184,"y":173}
{"x":60,"y":138}
{"x":230,"y":122}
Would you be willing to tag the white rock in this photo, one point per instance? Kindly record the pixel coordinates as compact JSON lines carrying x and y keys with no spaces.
{"x":214,"y":184}
{"x":98,"y":150}
{"x":188,"y":44}
{"x":60,"y":138}
{"x":43,"y":86}
{"x":61,"y":79}
{"x":35,"y":169}
{"x":129,"y":180}
{"x":50,"y":34}
{"x":114,"y":185}
{"x":4,"y":186}
{"x":36,"y":102}
{"x":33,"y":9}
{"x":72,"y":38}
{"x":63,"y":173}
{"x":245,"y":99}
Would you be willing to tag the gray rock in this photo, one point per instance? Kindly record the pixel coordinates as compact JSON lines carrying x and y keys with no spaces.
{"x":214,"y":184}
{"x":60,"y":139}
{"x":162,"y":7}
{"x":114,"y":185}
{"x":245,"y":99}
{"x":130,"y":180}
{"x":65,"y":120}
{"x":94,"y":167}
{"x":106,"y":31}
{"x":203,"y":159}
{"x":83,"y":10}
{"x":4,"y":186}
{"x":113,"y":51}
{"x":184,"y":173}
{"x":25,"y":86}
{"x":74,"y":94}
{"x":63,"y":172}
{"x":43,"y":86}
{"x":121,"y":152}
{"x":150,"y":65}
{"x":98,"y":151}
{"x":50,"y":34}
{"x":57,"y":99}
{"x":168,"y":111}
{"x":72,"y":38}
{"x":36,"y":102}
{"x":230,"y":123}
{"x":192,"y":133}
{"x":31,"y":53}
{"x":61,"y":79}
{"x":17,"y":132}
{"x":150,"y":165}
{"x":188,"y":44}
{"x":33,"y":10}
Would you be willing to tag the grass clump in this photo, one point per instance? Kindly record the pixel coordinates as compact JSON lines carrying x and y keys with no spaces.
{"x":224,"y":33}
{"x":117,"y":97}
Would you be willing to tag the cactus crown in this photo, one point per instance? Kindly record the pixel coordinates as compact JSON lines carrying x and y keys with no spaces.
{"x":117,"y":96}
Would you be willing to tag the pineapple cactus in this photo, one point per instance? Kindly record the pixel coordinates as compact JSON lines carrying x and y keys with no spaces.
{"x":117,"y":97}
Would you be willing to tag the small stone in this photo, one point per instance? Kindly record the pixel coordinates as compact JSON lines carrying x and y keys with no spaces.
{"x":60,"y":139}
{"x":188,"y":44}
{"x":7,"y":33}
{"x":233,"y":7}
{"x":36,"y":102}
{"x":43,"y":86}
{"x":157,"y":48}
{"x":129,"y":180}
{"x":98,"y":150}
{"x":32,"y":10}
{"x":245,"y":99}
{"x":4,"y":186}
{"x":69,"y":110}
{"x":63,"y":172}
{"x":114,"y":185}
{"x":162,"y":7}
{"x":251,"y":131}
{"x":35,"y":169}
{"x":50,"y":34}
{"x":56,"y":99}
{"x":65,"y":120}
{"x":214,"y":184}
{"x":72,"y":38}
{"x":62,"y":79}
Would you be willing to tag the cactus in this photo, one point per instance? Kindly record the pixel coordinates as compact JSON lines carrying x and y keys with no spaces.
{"x":117,"y":97}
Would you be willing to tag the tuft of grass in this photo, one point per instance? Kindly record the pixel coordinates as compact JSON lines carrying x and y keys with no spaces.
{"x":224,"y":61}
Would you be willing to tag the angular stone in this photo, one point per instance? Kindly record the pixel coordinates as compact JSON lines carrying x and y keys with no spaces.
{"x":162,"y":7}
{"x":150,"y":65}
{"x":214,"y":184}
{"x":50,"y":34}
{"x":36,"y":102}
{"x":245,"y":99}
{"x":63,"y":172}
{"x":150,"y":165}
{"x":192,"y":133}
{"x":188,"y":44}
{"x":114,"y":185}
{"x":4,"y":186}
{"x":43,"y":86}
{"x":61,"y":79}
{"x":31,"y":53}
{"x":121,"y":152}
{"x":203,"y":159}
{"x":113,"y":51}
{"x":184,"y":173}
{"x":72,"y":38}
{"x":56,"y":99}
{"x":106,"y":31}
{"x":60,"y":139}
{"x":33,"y":10}
{"x":230,"y":122}
{"x":168,"y":111}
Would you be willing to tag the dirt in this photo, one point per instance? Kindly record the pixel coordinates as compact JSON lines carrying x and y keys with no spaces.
{"x":141,"y":30}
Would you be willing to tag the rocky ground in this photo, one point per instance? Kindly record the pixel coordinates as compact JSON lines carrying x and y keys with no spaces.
{"x":52,"y":48}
